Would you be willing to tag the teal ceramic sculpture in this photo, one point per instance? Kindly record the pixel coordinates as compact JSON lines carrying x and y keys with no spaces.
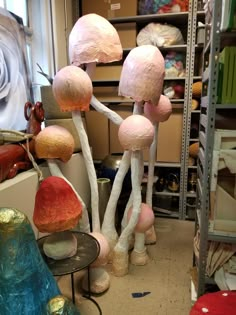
{"x":26,"y":283}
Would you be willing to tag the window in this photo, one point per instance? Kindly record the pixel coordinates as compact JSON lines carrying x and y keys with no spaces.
{"x":47,"y":24}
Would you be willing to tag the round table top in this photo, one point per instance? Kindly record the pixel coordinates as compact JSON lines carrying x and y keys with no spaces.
{"x":87,"y":251}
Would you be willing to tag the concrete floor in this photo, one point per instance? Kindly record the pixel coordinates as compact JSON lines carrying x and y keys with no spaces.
{"x":166,"y":277}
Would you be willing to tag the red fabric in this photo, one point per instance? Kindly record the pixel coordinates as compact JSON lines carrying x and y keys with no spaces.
{"x":217,"y":303}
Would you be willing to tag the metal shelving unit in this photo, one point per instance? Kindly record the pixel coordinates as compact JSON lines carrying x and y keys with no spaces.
{"x":191,"y":52}
{"x":206,"y":142}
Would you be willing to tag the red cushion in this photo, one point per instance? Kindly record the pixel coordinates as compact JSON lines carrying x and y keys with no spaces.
{"x":217,"y":303}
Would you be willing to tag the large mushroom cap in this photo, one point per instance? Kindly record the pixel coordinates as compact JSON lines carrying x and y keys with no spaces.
{"x":136,"y":132}
{"x":143,"y":74}
{"x":72,"y":89}
{"x":158,"y":113}
{"x":94,"y":39}
{"x":57,"y":207}
{"x":54,"y":142}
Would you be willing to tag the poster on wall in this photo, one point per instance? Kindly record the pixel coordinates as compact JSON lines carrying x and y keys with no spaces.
{"x":14,"y":74}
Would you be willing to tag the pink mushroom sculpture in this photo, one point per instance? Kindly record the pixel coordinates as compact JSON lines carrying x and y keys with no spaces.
{"x":93,"y":39}
{"x":135,"y":134}
{"x":145,"y":219}
{"x":72,"y":89}
{"x":141,"y":79}
{"x":155,"y":114}
{"x":143,"y":74}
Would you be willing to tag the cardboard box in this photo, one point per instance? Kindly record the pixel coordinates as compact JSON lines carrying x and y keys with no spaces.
{"x":107,"y":72}
{"x":109,"y":94}
{"x":127,"y":33}
{"x":170,"y":138}
{"x":110,"y":8}
{"x":97,"y":131}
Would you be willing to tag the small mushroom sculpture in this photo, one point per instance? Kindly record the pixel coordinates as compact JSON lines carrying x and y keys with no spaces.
{"x":72,"y":89}
{"x":57,"y":210}
{"x":135,"y":134}
{"x":55,"y":143}
{"x":155,"y":114}
{"x":93,"y":39}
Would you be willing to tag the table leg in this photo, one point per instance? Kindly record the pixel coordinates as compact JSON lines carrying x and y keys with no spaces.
{"x":72,"y":287}
{"x":88,"y":295}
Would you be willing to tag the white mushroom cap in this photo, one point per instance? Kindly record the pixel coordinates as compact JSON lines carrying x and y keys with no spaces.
{"x":94,"y":39}
{"x":143,"y":74}
{"x":159,"y":113}
{"x":136,"y":132}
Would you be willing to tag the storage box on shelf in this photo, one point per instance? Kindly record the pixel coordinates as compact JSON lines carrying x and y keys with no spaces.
{"x":227,"y":76}
{"x":223,"y":201}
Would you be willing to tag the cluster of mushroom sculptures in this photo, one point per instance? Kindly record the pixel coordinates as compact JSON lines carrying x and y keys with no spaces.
{"x":94,"y":40}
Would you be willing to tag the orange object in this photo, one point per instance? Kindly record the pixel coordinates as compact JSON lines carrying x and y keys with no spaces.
{"x":197,"y":89}
{"x":193,"y":149}
{"x":57,"y":207}
{"x":54,"y":142}
{"x":195,"y":104}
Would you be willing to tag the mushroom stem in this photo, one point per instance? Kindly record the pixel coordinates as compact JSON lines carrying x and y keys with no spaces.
{"x":151,"y":167}
{"x":84,"y":224}
{"x":120,"y":254}
{"x":113,"y":116}
{"x":130,"y":201}
{"x":98,"y":106}
{"x":76,"y":116}
{"x":108,"y":226}
{"x":151,"y":234}
{"x":90,"y":69}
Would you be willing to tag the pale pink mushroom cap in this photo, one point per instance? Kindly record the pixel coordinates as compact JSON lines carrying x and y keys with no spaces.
{"x":54,"y":142}
{"x":94,"y":39}
{"x":104,"y":249}
{"x":136,"y":132}
{"x":145,"y":219}
{"x":72,"y":89}
{"x":159,"y":113}
{"x":142,"y":74}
